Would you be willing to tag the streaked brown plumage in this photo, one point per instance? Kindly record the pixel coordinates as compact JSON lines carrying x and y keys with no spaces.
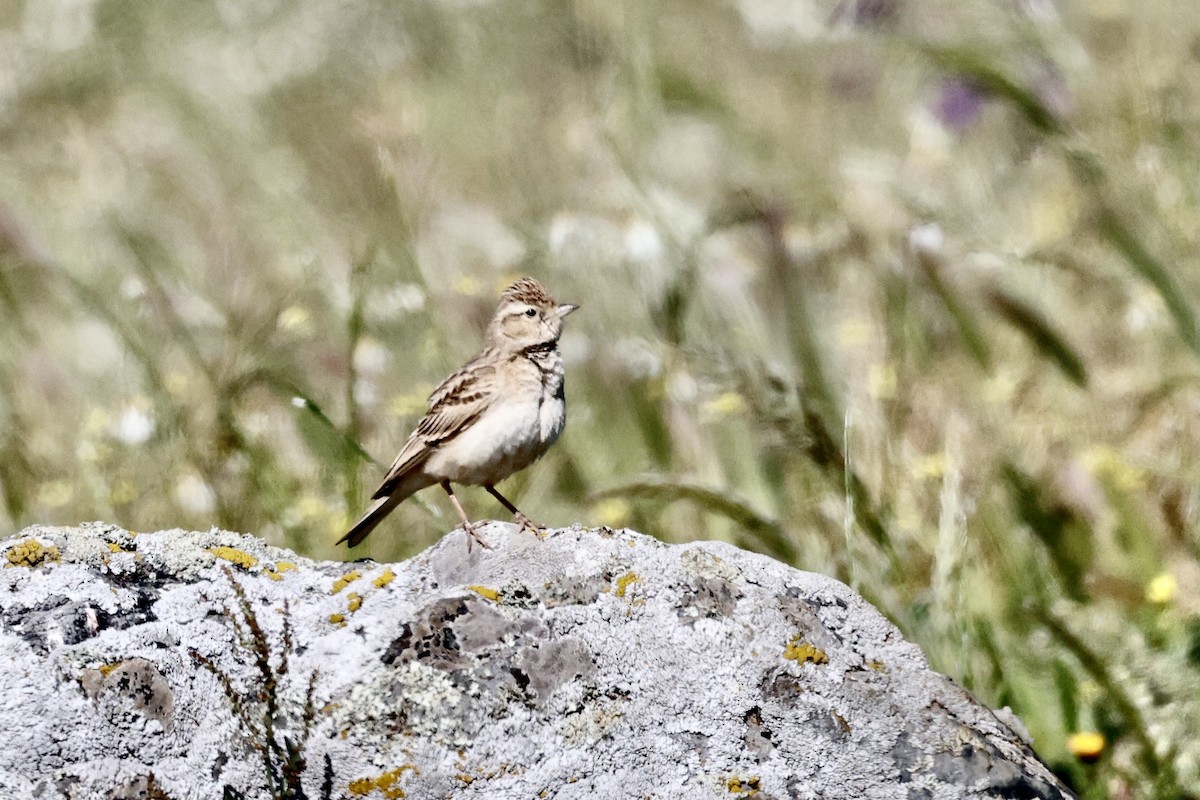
{"x":494,"y":416}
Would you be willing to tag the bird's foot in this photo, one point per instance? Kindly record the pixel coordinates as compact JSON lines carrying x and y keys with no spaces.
{"x":473,"y":536}
{"x":531,"y":526}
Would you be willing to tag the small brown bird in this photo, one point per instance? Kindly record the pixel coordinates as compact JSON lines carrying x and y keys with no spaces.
{"x":496,"y":415}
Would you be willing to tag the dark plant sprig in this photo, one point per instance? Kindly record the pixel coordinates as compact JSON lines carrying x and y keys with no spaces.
{"x":262,"y":717}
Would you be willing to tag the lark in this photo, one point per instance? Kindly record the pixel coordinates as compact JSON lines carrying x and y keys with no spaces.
{"x":493,"y":417}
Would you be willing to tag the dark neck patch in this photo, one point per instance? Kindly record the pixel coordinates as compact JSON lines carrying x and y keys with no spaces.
{"x":541,"y":348}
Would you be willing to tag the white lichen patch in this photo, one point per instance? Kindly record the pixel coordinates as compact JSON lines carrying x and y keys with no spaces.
{"x":703,"y":564}
{"x":590,"y":724}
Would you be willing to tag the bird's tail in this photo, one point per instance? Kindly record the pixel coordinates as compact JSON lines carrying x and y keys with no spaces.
{"x":367,"y":522}
{"x":381,"y":507}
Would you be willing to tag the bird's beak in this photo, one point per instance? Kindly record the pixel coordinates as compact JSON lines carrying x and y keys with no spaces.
{"x":566,"y":308}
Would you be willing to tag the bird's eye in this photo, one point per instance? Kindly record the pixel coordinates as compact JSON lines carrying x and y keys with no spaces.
{"x":531,"y":312}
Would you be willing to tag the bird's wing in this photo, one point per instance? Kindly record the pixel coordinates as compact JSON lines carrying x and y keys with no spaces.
{"x":453,"y":406}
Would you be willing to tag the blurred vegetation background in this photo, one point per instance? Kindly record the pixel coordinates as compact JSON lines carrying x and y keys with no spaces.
{"x":901,"y":291}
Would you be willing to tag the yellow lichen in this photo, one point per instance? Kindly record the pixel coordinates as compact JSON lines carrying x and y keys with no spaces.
{"x":337,"y":619}
{"x":114,"y":547}
{"x":234,"y":556}
{"x":802,"y":651}
{"x":353,"y":601}
{"x":736,"y":785}
{"x":383,"y":580}
{"x":105,"y":669}
{"x":624,"y":582}
{"x":280,"y":568}
{"x":344,"y":581}
{"x":485,"y":592}
{"x":387,"y":784}
{"x":31,"y":553}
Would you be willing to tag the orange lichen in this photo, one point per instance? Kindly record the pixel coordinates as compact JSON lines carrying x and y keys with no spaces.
{"x":624,"y":582}
{"x":747,"y":786}
{"x":485,"y":592}
{"x":31,"y":553}
{"x":280,"y":568}
{"x":804,"y":652}
{"x":344,"y":581}
{"x":234,"y":556}
{"x":387,"y":784}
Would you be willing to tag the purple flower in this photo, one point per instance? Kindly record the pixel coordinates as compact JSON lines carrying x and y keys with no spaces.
{"x":959,"y":103}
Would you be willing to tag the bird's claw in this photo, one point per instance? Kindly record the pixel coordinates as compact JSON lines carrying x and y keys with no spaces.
{"x":473,"y":536}
{"x":531,"y":526}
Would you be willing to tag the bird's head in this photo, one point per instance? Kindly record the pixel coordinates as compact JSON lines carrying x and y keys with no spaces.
{"x":527,"y":317}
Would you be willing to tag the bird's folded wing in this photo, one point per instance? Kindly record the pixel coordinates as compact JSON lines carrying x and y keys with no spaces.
{"x":453,"y":406}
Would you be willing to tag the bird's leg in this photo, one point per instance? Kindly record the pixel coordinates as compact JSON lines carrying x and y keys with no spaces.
{"x":522,"y":520}
{"x":468,"y":526}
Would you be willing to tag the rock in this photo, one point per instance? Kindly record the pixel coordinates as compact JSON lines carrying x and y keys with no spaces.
{"x":591,"y":664}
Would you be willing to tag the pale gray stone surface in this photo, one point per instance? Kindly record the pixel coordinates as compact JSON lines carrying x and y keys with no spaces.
{"x":593,"y":664}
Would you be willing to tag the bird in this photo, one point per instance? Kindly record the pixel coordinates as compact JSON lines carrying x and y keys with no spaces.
{"x":491,"y":418}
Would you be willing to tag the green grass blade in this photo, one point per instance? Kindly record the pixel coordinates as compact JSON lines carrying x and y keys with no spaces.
{"x":1067,"y":542}
{"x":1038,"y":330}
{"x":973,"y":65}
{"x":768,"y":532}
{"x":1120,"y":236}
{"x":1162,"y":770}
{"x":963,"y":319}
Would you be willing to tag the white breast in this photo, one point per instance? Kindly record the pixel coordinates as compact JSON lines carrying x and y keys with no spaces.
{"x":507,"y":438}
{"x":514,"y":432}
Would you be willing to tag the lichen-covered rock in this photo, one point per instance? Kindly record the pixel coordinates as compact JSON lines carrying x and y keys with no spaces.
{"x":590,"y":664}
